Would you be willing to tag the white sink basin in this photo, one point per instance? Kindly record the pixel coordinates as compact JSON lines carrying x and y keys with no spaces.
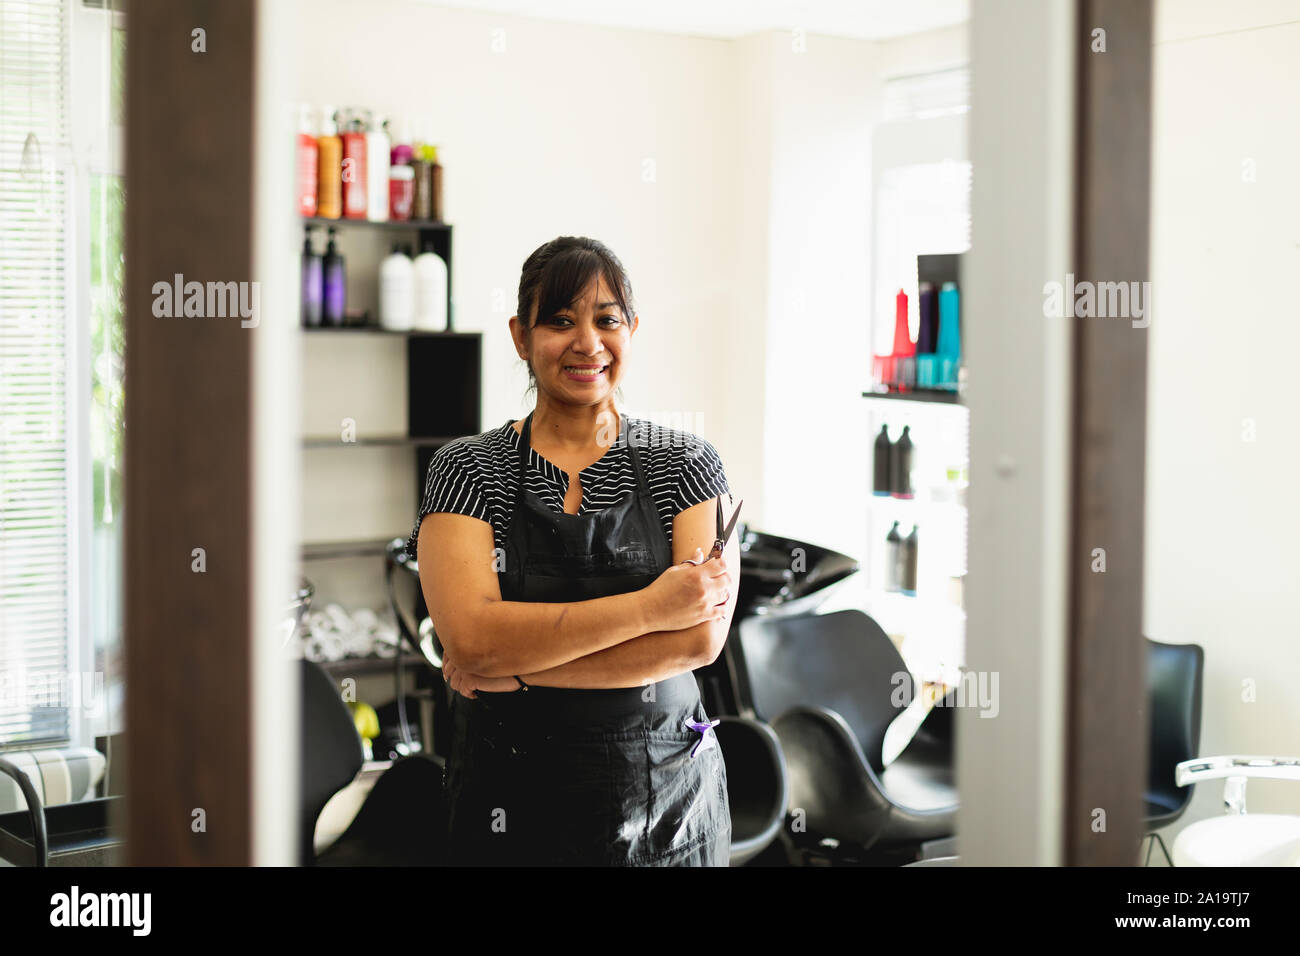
{"x":1249,"y":839}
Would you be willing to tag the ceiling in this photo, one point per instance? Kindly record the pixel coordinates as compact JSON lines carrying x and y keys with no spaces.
{"x":861,"y":19}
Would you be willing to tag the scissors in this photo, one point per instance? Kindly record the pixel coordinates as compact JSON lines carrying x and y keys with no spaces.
{"x":724,"y":534}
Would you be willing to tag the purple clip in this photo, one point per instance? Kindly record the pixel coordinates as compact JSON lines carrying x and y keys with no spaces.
{"x":707,"y":740}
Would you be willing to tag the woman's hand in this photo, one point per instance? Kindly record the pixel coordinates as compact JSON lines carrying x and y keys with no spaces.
{"x":467,"y":684}
{"x":690,"y":593}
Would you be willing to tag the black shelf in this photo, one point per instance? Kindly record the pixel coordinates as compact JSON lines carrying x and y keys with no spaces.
{"x":373,"y":329}
{"x":369,"y":665}
{"x":934,"y":395}
{"x":420,"y":225}
{"x":361,"y":548}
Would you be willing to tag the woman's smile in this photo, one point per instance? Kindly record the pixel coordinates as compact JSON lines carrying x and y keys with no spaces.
{"x":585,"y":373}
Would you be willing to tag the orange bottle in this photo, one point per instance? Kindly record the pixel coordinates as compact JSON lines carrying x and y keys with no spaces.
{"x":329,"y":178}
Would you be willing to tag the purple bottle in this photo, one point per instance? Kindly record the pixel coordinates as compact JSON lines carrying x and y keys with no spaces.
{"x":313,"y":289}
{"x":335,"y":287}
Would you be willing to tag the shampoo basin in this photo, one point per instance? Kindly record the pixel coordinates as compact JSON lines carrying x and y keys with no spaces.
{"x":1239,"y":838}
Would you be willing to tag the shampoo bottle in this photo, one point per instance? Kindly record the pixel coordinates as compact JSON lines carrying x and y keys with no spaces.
{"x":308,"y":162}
{"x":893,"y":559}
{"x":334,"y":285}
{"x":430,"y":290}
{"x":377,"y":162}
{"x":908,"y":564}
{"x":329,"y":183}
{"x":880,"y":464}
{"x":313,"y":284}
{"x":396,"y":291}
{"x":355,"y":192}
{"x":900,"y":484}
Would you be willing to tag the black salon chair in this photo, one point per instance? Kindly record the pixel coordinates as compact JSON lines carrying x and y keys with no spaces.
{"x":830,"y":685}
{"x":756,"y":785}
{"x":401,"y":823}
{"x":1174,"y":676}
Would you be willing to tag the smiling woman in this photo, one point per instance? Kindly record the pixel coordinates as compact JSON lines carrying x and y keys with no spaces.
{"x":563,"y":561}
{"x":566,"y":280}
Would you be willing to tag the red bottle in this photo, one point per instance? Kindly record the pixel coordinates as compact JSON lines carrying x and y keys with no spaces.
{"x":354,"y":171}
{"x":307,"y":159}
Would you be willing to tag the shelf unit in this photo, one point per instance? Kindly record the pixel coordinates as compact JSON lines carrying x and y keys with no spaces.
{"x":438,"y":235}
{"x":444,"y":381}
{"x":931,"y":624}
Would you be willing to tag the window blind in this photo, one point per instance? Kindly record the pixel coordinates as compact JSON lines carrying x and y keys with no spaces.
{"x":35,"y":693}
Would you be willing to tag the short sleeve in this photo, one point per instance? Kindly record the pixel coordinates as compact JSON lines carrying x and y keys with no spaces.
{"x":700,"y":475}
{"x":450,"y":486}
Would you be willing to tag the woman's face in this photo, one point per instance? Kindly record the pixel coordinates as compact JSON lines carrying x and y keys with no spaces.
{"x":578,"y":355}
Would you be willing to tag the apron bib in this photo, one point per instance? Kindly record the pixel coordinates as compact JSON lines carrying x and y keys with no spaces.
{"x":589,"y":777}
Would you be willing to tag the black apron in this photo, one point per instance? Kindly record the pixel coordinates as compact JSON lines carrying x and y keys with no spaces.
{"x":588,"y":777}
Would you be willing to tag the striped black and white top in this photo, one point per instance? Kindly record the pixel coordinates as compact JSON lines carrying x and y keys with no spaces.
{"x":476,"y":476}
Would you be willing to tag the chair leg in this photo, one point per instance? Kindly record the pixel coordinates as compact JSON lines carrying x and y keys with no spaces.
{"x":1168,"y":858}
{"x":1154,"y":839}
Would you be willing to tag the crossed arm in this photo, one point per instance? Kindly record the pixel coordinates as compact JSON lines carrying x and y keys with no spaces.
{"x":613,"y":641}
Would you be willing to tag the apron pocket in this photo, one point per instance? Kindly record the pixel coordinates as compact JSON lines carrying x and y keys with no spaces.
{"x":687,"y":798}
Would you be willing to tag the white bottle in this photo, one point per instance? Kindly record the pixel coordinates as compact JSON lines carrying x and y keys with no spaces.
{"x":377,"y":162}
{"x":430,"y":292}
{"x":396,"y":291}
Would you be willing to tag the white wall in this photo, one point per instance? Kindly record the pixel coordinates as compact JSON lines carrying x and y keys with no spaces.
{"x":1222,"y":569}
{"x":551,"y":136}
{"x":748,"y":252}
{"x":823,"y":103}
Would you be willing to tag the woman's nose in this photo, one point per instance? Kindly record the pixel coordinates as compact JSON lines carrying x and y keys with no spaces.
{"x":589,"y":339}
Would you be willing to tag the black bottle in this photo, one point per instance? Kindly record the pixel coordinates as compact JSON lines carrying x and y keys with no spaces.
{"x":909,"y":563}
{"x":881,"y":482}
{"x":900,"y":466}
{"x":893,"y":559}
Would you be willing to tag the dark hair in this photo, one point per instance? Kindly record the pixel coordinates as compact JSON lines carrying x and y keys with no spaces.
{"x":559,"y":271}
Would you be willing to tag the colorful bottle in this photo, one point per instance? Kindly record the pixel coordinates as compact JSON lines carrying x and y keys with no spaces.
{"x":422,"y":203}
{"x":334,"y":284}
{"x":881,"y":480}
{"x":308,"y":161}
{"x":900,"y":482}
{"x":329,"y":182}
{"x":435,"y":184}
{"x":949,"y":347}
{"x":355,"y":192}
{"x":401,"y":191}
{"x":313,"y":284}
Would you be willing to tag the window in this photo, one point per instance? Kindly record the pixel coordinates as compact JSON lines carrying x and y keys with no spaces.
{"x":35,"y":541}
{"x":61,"y":348}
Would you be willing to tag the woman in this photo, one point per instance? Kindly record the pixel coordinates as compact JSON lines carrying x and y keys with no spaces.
{"x":562,"y":558}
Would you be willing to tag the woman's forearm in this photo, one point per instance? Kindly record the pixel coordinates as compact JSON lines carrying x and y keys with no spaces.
{"x":513,"y":637}
{"x":635,"y":663}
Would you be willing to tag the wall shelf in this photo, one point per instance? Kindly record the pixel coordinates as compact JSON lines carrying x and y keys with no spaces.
{"x":371,"y":328}
{"x":937,"y":396}
{"x":415,"y":225}
{"x":330,"y":550}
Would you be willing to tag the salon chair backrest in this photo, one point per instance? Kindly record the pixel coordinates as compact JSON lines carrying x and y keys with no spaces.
{"x":842,"y":661}
{"x":332,"y":752}
{"x":1174,"y":673}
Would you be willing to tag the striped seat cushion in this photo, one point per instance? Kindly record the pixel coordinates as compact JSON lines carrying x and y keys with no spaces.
{"x":58,"y":776}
